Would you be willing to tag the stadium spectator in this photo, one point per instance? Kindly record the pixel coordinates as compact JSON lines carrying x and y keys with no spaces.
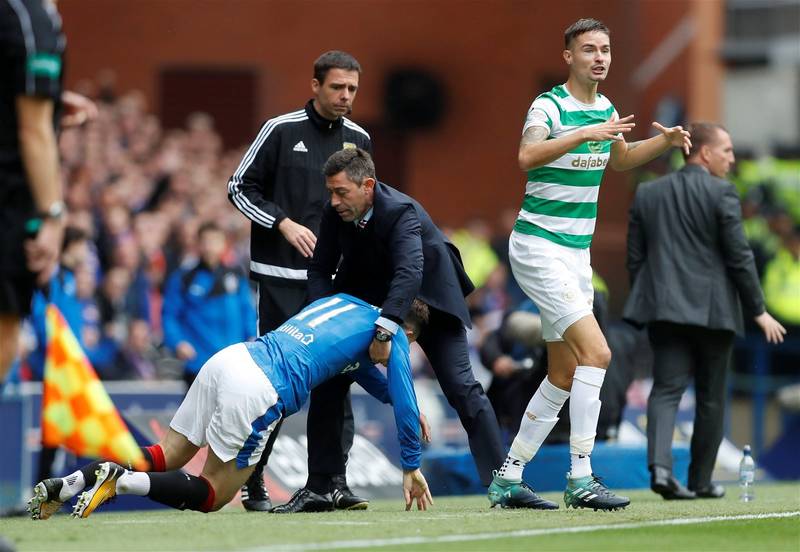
{"x":207,"y":305}
{"x":62,"y":292}
{"x":690,"y":268}
{"x":570,"y":134}
{"x":236,"y":401}
{"x":782,"y":281}
{"x":279,"y":187}
{"x":382,"y":246}
{"x":139,"y":359}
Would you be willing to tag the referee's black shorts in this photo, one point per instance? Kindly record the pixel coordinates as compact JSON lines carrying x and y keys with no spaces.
{"x":17,"y":283}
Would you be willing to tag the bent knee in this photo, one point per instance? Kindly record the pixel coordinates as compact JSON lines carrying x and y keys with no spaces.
{"x":598,"y":356}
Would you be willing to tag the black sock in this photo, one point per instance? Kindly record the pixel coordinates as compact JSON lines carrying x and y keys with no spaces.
{"x":181,"y":490}
{"x":89,"y":478}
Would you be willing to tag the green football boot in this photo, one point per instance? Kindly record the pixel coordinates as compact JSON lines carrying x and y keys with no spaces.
{"x":516,"y":495}
{"x":590,"y":492}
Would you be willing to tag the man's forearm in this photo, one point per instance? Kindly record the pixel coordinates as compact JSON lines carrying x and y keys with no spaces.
{"x":639,"y":153}
{"x":39,"y":151}
{"x":534,"y":154}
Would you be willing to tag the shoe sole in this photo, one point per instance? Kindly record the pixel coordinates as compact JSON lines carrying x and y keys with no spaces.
{"x":105,"y":488}
{"x":265,"y":506}
{"x":360,"y":506}
{"x":39,"y":506}
{"x":596,"y":508}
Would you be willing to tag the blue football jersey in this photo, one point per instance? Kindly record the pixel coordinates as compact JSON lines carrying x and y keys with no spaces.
{"x":332,"y":336}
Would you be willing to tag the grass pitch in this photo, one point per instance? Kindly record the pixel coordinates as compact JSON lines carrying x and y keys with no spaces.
{"x":772,"y":522}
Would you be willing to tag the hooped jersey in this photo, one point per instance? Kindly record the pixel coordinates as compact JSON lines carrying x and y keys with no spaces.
{"x":560,"y":202}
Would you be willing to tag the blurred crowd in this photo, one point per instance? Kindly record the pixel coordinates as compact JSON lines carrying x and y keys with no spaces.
{"x":137,"y":196}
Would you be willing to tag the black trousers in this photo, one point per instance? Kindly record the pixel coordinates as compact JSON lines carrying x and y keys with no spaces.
{"x":444,"y":341}
{"x":277,"y":302}
{"x":681,"y":352}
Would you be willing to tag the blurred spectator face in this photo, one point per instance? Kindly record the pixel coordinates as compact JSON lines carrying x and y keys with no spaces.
{"x":127,"y":254}
{"x":212,"y":246}
{"x":781,"y":224}
{"x":75,"y":254}
{"x":117,"y":220}
{"x":82,"y":220}
{"x":85,"y":282}
{"x":139,"y":336}
{"x":116,"y":283}
{"x":334,"y":97}
{"x":718,"y":155}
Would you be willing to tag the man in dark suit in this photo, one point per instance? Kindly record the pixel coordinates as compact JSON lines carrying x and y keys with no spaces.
{"x":690,"y":267}
{"x":391,"y":252}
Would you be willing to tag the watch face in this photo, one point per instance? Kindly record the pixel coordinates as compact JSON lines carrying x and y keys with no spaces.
{"x":383,"y":336}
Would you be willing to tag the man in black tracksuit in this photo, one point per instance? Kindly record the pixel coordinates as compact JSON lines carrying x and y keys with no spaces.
{"x":279,"y":186}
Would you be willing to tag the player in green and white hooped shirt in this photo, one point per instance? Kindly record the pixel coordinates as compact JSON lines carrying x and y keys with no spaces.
{"x":571,"y":134}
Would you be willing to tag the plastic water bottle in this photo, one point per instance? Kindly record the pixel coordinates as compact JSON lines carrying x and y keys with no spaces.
{"x":747,"y":473}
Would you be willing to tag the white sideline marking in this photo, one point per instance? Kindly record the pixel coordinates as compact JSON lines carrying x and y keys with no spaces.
{"x":400,"y":541}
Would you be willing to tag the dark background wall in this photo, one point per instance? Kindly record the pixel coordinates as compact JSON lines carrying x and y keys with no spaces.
{"x":492,"y":58}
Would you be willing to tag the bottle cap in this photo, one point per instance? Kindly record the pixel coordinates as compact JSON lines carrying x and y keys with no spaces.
{"x":746,"y":449}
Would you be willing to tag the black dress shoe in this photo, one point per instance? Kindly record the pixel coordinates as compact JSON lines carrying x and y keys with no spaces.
{"x":343,"y":497}
{"x":712,"y":490}
{"x":304,"y":500}
{"x":664,"y":483}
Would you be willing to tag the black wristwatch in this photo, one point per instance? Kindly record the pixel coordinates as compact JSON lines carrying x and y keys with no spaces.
{"x":382,"y":336}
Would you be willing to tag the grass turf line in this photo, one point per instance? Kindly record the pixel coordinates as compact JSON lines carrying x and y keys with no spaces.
{"x":234,"y":529}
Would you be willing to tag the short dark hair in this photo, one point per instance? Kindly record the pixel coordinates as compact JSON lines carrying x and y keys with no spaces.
{"x":583,"y":26}
{"x":703,"y":134}
{"x":73,"y":234}
{"x":355,"y":162}
{"x":417,"y":317}
{"x":334,"y":59}
{"x":209,"y":226}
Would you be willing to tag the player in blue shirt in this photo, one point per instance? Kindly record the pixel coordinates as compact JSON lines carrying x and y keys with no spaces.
{"x":238,"y":398}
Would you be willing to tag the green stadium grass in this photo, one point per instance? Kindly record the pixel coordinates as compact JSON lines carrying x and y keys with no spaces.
{"x":454,"y":523}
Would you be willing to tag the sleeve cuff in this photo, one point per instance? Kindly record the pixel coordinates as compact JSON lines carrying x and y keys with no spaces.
{"x":389,"y":325}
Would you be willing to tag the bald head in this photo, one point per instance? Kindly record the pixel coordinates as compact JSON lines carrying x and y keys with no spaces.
{"x":712,"y":148}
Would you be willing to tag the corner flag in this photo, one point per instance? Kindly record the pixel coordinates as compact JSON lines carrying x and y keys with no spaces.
{"x":77,"y":412}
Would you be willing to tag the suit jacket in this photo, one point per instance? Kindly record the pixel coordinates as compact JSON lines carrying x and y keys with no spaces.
{"x":398,"y":256}
{"x":688,"y":259}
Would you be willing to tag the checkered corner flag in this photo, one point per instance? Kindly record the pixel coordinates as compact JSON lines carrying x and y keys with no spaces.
{"x":77,"y":412}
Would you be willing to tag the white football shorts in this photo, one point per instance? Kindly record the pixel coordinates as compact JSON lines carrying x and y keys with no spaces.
{"x":231,"y":406}
{"x":557,"y":278}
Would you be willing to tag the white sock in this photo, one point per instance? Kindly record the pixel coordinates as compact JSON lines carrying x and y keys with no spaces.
{"x":584,"y":410}
{"x":71,"y":485}
{"x":540,"y":417}
{"x":133,"y":483}
{"x":511,"y":470}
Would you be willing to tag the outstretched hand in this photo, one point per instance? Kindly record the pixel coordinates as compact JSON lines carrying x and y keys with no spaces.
{"x":610,"y":130}
{"x":676,"y":136}
{"x":415,"y":487}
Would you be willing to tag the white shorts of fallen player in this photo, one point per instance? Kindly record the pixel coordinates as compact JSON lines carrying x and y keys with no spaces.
{"x":558,"y":280}
{"x":231,"y":406}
